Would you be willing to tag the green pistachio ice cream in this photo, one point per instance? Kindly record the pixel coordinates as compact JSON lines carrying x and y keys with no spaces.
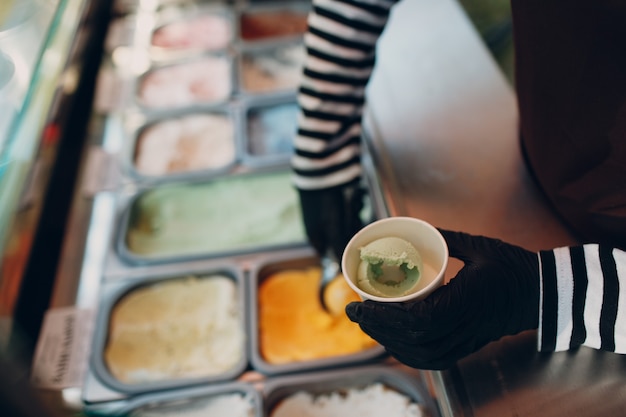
{"x":390,"y":267}
{"x":226,"y":215}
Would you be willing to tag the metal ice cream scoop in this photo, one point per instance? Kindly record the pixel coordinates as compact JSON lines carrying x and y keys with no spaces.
{"x":330,"y":269}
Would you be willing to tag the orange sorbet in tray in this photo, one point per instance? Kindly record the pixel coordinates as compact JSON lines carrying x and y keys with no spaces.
{"x":294,"y":327}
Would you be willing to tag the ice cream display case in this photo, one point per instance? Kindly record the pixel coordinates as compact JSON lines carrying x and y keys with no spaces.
{"x":152,"y":223}
{"x":121,"y":249}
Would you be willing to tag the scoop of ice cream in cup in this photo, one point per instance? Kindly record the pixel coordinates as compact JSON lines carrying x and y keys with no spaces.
{"x":395,"y":259}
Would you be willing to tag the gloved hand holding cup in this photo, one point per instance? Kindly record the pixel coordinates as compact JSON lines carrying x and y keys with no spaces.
{"x":496,"y":293}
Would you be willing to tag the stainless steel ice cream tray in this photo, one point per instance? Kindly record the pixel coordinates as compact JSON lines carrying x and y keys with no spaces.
{"x":269,"y":21}
{"x":204,"y":87}
{"x":113,"y":292}
{"x":268,"y":126}
{"x":269,"y":67}
{"x":145,"y":227}
{"x":137,"y":26}
{"x":137,"y":124}
{"x":187,"y":14}
{"x":408,"y":382}
{"x":258,"y":272}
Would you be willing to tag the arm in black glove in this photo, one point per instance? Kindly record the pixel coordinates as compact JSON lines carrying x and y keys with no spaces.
{"x":332,"y":216}
{"x":496,"y":293}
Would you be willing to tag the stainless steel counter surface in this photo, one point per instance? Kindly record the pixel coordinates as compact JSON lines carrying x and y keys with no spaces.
{"x":442,"y":121}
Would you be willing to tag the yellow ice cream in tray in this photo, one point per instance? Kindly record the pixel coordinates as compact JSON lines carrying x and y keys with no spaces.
{"x":172,"y":330}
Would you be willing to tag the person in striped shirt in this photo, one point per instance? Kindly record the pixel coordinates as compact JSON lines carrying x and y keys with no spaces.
{"x":571,"y":92}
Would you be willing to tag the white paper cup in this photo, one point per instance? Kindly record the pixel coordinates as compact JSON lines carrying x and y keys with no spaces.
{"x":422,"y":235}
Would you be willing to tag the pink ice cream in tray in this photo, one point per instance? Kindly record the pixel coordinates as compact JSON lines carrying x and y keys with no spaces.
{"x":203,"y":80}
{"x":188,"y":30}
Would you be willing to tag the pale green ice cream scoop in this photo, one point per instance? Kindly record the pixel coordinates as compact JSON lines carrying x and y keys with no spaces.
{"x":390,"y":267}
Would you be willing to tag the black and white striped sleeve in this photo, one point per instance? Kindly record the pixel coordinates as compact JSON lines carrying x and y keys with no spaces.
{"x":340,"y":45}
{"x":583,"y":298}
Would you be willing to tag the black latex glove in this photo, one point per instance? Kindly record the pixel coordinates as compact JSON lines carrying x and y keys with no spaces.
{"x":496,"y":293}
{"x":332,"y":216}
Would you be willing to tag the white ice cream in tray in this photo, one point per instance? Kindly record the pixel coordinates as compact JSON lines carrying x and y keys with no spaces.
{"x":364,"y":392}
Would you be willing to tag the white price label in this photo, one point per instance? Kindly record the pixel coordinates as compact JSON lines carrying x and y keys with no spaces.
{"x":120,"y":33}
{"x":102,"y":172}
{"x":112,"y":91}
{"x":62,"y":351}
